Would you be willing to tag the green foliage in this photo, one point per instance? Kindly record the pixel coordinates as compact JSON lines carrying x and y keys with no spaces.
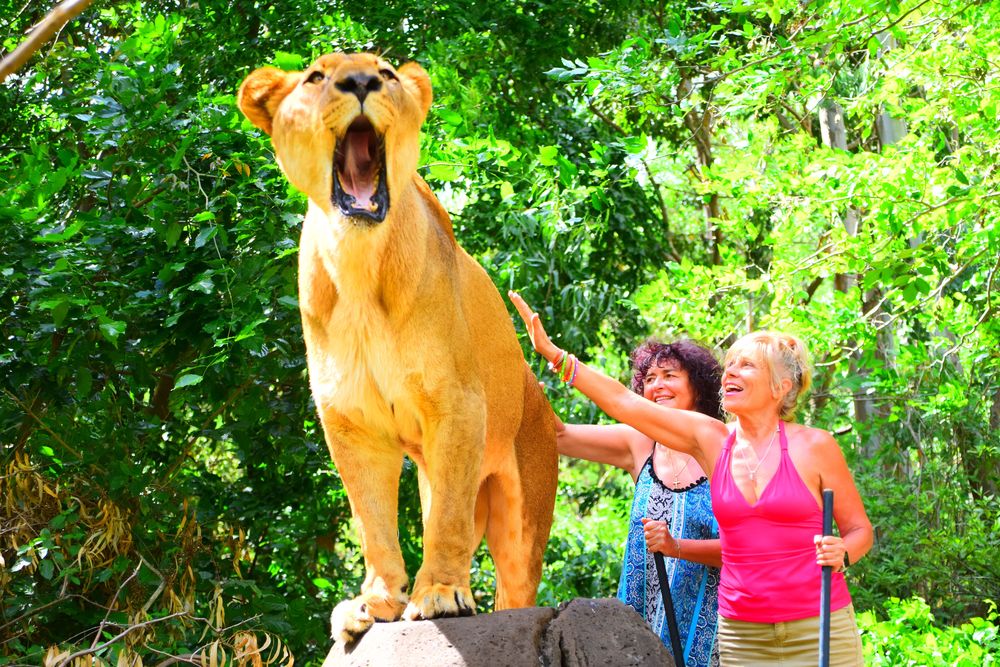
{"x":584,"y":555}
{"x":630,"y":167}
{"x":881,"y":250}
{"x":910,"y":637}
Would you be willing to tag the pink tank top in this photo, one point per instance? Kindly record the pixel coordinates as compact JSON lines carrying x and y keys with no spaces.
{"x":769,"y":570}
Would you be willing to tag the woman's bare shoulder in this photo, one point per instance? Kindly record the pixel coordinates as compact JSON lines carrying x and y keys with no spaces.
{"x":815,"y":441}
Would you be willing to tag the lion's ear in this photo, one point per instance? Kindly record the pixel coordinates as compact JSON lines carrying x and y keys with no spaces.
{"x":262,"y":92}
{"x":418,"y":83}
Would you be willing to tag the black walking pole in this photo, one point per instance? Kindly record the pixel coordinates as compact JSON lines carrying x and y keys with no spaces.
{"x":668,"y":609}
{"x":824,"y":596}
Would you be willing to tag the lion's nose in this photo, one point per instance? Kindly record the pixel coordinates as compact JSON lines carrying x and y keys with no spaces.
{"x":360,"y":85}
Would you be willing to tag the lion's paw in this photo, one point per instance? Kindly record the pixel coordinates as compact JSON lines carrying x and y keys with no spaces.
{"x":439,"y":601}
{"x":352,"y":618}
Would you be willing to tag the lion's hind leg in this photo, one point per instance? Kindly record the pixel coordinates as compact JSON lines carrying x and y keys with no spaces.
{"x":516,"y":543}
{"x":518,"y":567}
{"x":521,"y":498}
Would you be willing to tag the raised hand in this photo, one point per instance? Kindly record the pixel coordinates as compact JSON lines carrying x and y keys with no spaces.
{"x":536,"y":332}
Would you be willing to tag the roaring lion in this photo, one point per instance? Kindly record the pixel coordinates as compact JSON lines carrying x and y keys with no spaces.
{"x":409,"y":345}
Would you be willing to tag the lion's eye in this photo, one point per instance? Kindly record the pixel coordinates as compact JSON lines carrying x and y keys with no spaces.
{"x":315,"y":77}
{"x":388,"y":74}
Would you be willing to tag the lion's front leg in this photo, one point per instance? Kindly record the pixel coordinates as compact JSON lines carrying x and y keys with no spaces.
{"x":370,"y":467}
{"x":452,"y":458}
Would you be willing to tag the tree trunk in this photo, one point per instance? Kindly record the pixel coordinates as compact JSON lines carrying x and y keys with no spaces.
{"x":834,"y":134}
{"x":889,"y":129}
{"x":700,"y":126}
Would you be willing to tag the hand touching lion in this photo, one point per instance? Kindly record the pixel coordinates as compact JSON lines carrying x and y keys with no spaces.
{"x":410,"y":348}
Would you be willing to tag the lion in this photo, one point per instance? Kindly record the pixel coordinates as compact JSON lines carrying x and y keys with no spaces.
{"x":410,"y":348}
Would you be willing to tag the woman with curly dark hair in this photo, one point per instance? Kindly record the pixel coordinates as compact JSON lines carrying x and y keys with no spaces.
{"x":671,"y":506}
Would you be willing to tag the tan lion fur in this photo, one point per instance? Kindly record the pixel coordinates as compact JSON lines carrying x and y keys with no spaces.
{"x":410,"y":351}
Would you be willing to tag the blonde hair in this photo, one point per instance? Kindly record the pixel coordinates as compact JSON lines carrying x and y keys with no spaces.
{"x":785,"y":357}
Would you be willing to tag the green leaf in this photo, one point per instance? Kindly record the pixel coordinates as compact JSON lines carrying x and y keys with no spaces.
{"x":206,"y":235}
{"x":450,"y":117}
{"x":873,"y":46}
{"x":112,"y":330}
{"x":58,"y":308}
{"x":84,"y":383}
{"x":443,"y":172}
{"x":59,"y":312}
{"x":173,"y":234}
{"x":64,"y":235}
{"x":250,"y":329}
{"x":547,"y":155}
{"x":288,"y":61}
{"x":187,"y":380}
{"x":204,"y":284}
{"x":506,"y":191}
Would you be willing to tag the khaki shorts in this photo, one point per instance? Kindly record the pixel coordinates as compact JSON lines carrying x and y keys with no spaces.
{"x":793,"y":643}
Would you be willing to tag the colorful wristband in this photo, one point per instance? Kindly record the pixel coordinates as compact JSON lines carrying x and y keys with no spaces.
{"x":576,"y":368}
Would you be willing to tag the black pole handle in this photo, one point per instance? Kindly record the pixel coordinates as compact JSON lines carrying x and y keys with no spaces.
{"x":824,"y":597}
{"x":668,"y":609}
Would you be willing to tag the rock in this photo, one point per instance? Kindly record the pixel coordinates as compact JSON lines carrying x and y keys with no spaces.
{"x":601,"y":632}
{"x":582,"y":632}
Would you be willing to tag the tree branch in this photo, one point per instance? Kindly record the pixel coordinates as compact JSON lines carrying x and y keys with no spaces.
{"x":900,"y":19}
{"x":46,"y":28}
{"x":30,"y":413}
{"x":94,"y":649}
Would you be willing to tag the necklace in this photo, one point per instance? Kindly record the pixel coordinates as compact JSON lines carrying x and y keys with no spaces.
{"x":760,"y":461}
{"x":677,"y":474}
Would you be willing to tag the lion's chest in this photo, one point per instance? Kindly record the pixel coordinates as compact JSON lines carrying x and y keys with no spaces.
{"x":357,"y":368}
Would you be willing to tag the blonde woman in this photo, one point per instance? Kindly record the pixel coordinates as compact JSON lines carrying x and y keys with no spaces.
{"x":767,"y":475}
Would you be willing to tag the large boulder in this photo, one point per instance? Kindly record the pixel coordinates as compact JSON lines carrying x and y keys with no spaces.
{"x":582,"y":632}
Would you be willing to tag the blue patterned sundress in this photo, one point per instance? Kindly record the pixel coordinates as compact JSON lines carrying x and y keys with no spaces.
{"x":694,"y":587}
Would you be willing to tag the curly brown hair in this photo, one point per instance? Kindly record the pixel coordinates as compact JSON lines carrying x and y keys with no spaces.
{"x":703,"y":369}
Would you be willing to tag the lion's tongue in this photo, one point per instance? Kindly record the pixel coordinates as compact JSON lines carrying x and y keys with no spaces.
{"x":357,"y":179}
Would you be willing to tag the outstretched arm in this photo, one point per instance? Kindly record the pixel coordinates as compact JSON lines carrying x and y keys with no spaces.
{"x":619,"y":445}
{"x":683,"y":430}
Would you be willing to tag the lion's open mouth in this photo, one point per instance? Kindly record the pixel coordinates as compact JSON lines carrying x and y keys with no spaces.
{"x":359,"y":179}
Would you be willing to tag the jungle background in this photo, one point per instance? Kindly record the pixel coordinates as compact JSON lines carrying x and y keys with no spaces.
{"x":640,"y":168}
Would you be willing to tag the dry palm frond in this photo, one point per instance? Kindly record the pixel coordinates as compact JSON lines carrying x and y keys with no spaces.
{"x":244,"y":650}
